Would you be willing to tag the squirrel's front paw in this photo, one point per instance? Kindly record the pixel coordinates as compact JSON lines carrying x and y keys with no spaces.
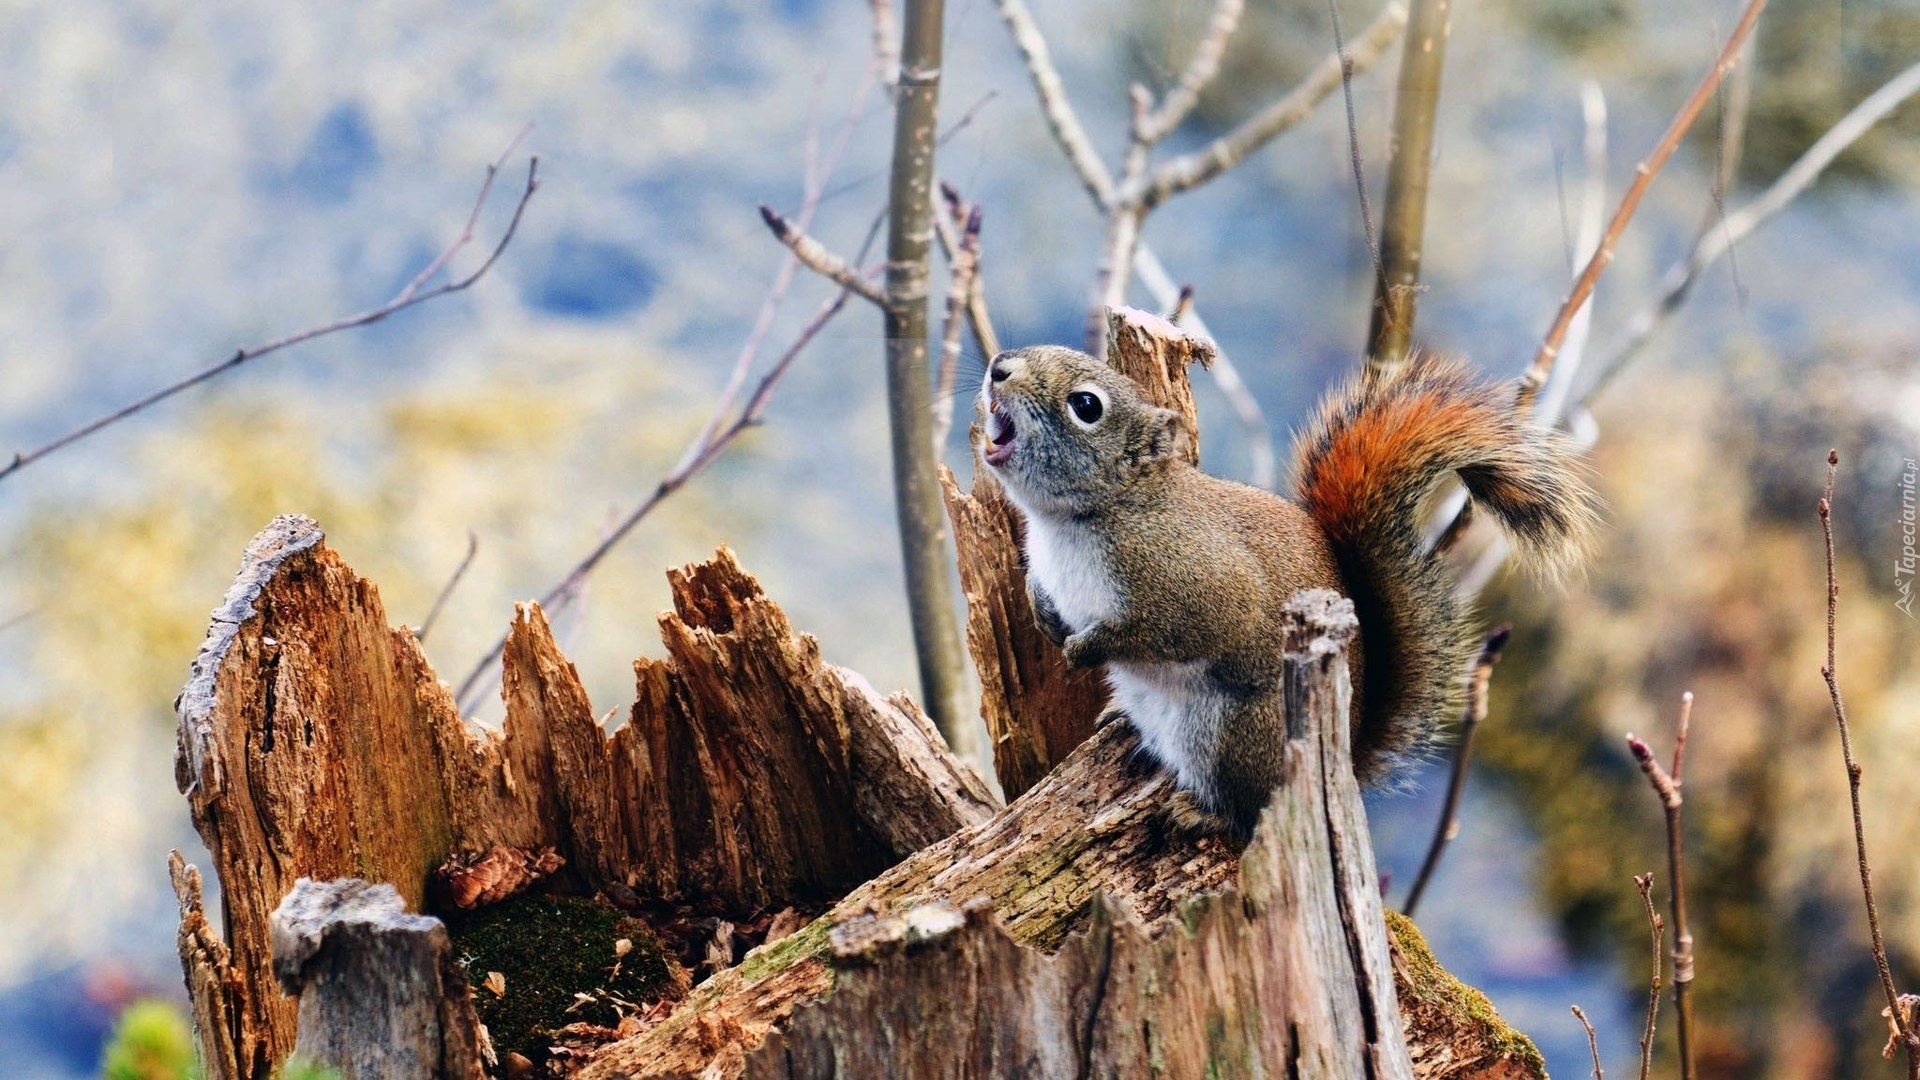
{"x":1082,"y":650}
{"x":1190,"y":818}
{"x":1046,"y":616}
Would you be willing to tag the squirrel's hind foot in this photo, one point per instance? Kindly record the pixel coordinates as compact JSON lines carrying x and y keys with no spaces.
{"x":1191,"y":819}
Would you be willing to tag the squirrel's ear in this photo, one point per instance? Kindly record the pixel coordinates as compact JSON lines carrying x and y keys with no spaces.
{"x":1167,"y":435}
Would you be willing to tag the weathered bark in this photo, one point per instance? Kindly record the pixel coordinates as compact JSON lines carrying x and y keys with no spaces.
{"x":315,"y":741}
{"x":1036,"y":708}
{"x":381,"y":995}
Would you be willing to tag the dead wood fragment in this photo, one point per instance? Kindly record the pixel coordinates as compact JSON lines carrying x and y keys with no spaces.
{"x":316,"y":741}
{"x":381,"y":995}
{"x":471,"y":881}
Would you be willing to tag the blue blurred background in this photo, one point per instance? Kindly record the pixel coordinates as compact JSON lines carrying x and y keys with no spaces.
{"x":178,"y":180}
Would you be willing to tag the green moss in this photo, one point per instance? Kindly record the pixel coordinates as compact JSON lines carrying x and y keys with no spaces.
{"x":151,"y":1040}
{"x":1431,"y":984}
{"x":809,"y":940}
{"x":551,"y":948}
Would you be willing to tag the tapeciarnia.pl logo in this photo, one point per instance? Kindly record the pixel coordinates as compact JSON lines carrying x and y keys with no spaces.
{"x":1903,"y":567}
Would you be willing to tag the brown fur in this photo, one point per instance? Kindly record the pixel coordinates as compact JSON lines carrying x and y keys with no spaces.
{"x":1199,"y":568}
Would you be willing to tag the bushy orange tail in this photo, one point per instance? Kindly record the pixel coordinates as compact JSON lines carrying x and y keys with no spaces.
{"x":1364,"y":469}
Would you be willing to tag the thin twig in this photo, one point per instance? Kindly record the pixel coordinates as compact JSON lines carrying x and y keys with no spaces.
{"x":412,"y":294}
{"x":703,"y":452}
{"x":821,"y":261}
{"x":1542,"y":366}
{"x":979,"y":320}
{"x":1403,"y":216}
{"x":1593,"y":213}
{"x":1667,"y":786}
{"x":1261,"y":469}
{"x":1200,"y":71}
{"x":1179,"y":301}
{"x":1353,"y":150}
{"x":1644,"y":882}
{"x":1062,"y":120}
{"x":1475,"y":711}
{"x":813,"y":184}
{"x":1190,"y":170}
{"x":1896,"y":1014}
{"x":886,"y":43}
{"x":1593,"y":1041}
{"x":1678,"y":283}
{"x":440,"y":601}
{"x":1735,"y":99}
{"x":960,"y":278}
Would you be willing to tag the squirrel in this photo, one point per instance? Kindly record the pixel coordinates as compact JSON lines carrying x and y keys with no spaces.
{"x":1174,"y":580}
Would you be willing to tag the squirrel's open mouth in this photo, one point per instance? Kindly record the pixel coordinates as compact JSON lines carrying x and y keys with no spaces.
{"x":999,"y":436}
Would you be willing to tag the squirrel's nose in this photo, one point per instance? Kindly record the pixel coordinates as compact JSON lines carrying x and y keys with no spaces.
{"x":1003,"y":368}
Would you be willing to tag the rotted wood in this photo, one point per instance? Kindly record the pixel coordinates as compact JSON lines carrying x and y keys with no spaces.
{"x":1094,"y":943}
{"x":315,"y":741}
{"x":1036,"y":708}
{"x":381,"y":995}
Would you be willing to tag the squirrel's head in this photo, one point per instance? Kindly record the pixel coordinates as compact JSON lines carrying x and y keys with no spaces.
{"x":1067,"y":433}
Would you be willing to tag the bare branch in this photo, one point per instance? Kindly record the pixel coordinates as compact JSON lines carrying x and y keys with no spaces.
{"x":821,"y":261}
{"x":1261,"y":469}
{"x":440,"y":601}
{"x":410,"y":295}
{"x":1061,"y":118}
{"x":886,"y":43}
{"x":1593,"y":1041}
{"x":1593,"y":194}
{"x":926,"y":554}
{"x":1896,"y":1014}
{"x":1200,"y":71}
{"x":1667,"y":786}
{"x":960,"y":291}
{"x":1680,"y":279}
{"x":979,"y":320}
{"x":1403,"y":219}
{"x":813,"y":184}
{"x":1191,"y":170}
{"x":1476,"y":711}
{"x":703,"y":452}
{"x":1536,"y":374}
{"x":1644,"y":882}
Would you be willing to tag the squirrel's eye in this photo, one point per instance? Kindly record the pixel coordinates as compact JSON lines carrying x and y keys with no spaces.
{"x":1086,"y":406}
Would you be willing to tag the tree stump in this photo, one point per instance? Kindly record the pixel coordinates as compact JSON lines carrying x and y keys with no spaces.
{"x":912,"y":926}
{"x":381,"y":995}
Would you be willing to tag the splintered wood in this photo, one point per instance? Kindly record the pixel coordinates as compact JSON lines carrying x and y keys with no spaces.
{"x":316,"y":742}
{"x":1071,"y":935}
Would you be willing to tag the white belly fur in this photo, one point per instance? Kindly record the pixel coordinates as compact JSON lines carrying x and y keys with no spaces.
{"x":1173,"y":706}
{"x":1178,"y":714}
{"x":1069,"y":564}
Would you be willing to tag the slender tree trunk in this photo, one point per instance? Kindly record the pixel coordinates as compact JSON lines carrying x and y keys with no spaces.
{"x":916,"y":484}
{"x":1404,"y":219}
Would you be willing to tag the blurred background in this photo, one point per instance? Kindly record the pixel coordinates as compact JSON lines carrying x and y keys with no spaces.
{"x":178,"y":180}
